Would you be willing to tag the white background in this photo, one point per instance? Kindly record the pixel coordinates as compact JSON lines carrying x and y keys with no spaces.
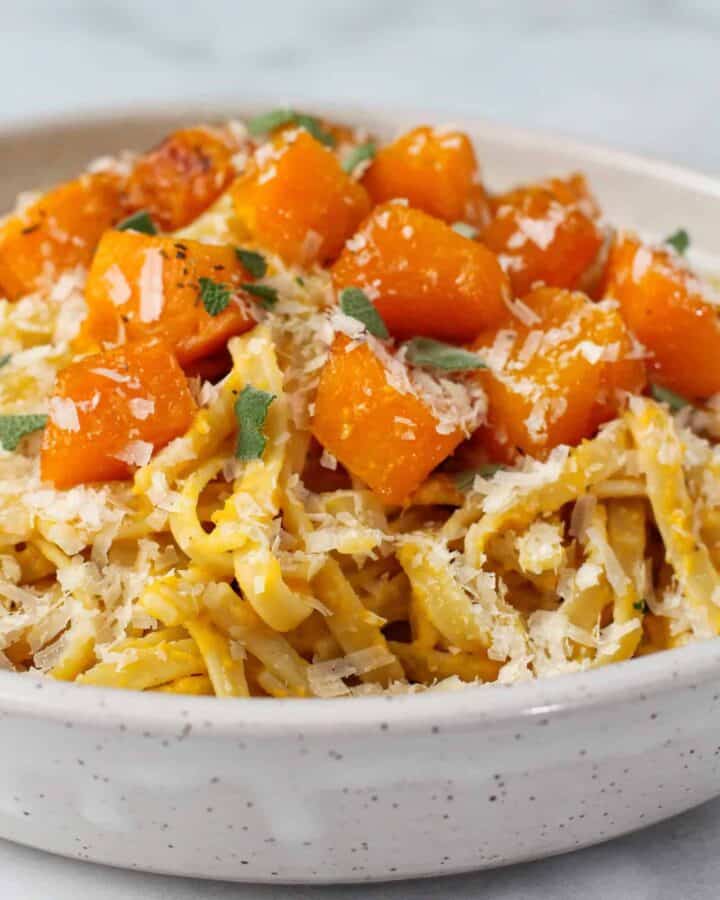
{"x":639,"y":75}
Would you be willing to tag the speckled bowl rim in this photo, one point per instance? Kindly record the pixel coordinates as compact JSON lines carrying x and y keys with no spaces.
{"x":646,"y":679}
{"x":493,"y":705}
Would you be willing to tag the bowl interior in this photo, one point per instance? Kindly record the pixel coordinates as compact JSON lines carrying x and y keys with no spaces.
{"x":653,"y":197}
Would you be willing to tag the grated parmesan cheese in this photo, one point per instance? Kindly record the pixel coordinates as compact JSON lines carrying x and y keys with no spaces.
{"x":136,"y":453}
{"x":119,"y":289}
{"x":63,"y":414}
{"x":141,"y":408}
{"x":152,"y":297}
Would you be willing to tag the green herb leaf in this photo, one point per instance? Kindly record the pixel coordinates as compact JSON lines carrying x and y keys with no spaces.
{"x":359,"y":154}
{"x":464,"y":480}
{"x":269,"y":121}
{"x":311,"y":125}
{"x":268,"y":296}
{"x":468,"y":231}
{"x":423,"y":351}
{"x":14,"y":428}
{"x":664,"y":395}
{"x":215,"y":295}
{"x":355,"y":303}
{"x":680,"y":240}
{"x":276,"y":118}
{"x":253,"y":262}
{"x":139,"y":221}
{"x":5,"y":359}
{"x":251,"y":408}
{"x":640,"y":606}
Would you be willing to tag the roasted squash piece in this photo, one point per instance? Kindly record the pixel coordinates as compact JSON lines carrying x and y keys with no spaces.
{"x":670,"y":312}
{"x":435,"y":169}
{"x":295,"y":199}
{"x":109,"y":411}
{"x":143,"y":286}
{"x":423,"y":277}
{"x":183,"y":175}
{"x":387,"y":438}
{"x":556,"y":379}
{"x":546,"y":233}
{"x":57,"y":232}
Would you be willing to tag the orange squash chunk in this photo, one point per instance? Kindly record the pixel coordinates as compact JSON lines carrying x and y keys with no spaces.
{"x":556,"y":380}
{"x":184,"y":175}
{"x":436,"y":171}
{"x":384,"y":437}
{"x":668,"y":310}
{"x":143,"y":286}
{"x":295,"y":199}
{"x":109,"y":411}
{"x":57,"y":232}
{"x":423,"y":277}
{"x":546,"y":233}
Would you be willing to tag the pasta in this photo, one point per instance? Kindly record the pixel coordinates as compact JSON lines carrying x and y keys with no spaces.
{"x":287,"y":413}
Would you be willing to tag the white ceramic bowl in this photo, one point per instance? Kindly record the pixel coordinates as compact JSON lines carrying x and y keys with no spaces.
{"x":371,"y":788}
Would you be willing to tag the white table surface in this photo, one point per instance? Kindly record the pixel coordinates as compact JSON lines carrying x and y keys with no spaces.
{"x":640,"y":75}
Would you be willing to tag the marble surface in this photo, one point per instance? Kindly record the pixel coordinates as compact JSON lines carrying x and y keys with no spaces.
{"x":677,"y":860}
{"x":642,"y":75}
{"x":639,"y":75}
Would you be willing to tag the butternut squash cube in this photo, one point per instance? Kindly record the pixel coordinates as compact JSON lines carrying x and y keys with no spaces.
{"x":111,"y":410}
{"x":546,"y":233}
{"x":436,"y":171}
{"x":423,"y":277}
{"x":180,"y":178}
{"x":556,"y":380}
{"x":295,"y":199}
{"x":387,"y":438}
{"x":670,"y":312}
{"x":142,"y":286}
{"x":57,"y":232}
